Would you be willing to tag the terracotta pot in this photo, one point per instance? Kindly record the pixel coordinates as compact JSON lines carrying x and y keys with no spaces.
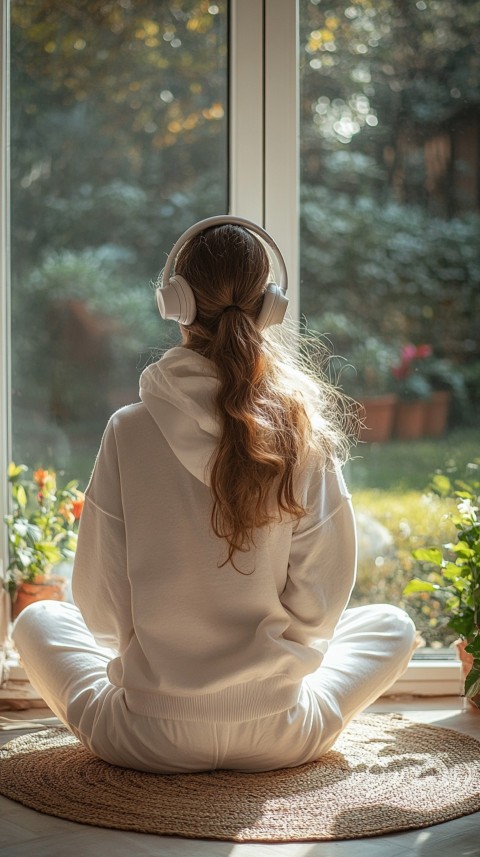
{"x":467,"y":662}
{"x":436,"y":413}
{"x":47,"y":589}
{"x":378,"y":418}
{"x":409,"y":419}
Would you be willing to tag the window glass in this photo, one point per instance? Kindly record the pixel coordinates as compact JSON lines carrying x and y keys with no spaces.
{"x":119,"y":142}
{"x":390,"y":259}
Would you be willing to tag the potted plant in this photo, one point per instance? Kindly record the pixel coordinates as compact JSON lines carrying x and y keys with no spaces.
{"x":414,"y":389}
{"x":368,"y":379}
{"x":42,"y":532}
{"x":447,"y":380}
{"x":453,"y":572}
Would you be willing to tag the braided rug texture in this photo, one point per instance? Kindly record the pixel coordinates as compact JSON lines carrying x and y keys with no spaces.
{"x":384,"y":774}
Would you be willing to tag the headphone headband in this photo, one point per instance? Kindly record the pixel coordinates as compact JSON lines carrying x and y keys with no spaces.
{"x":220,"y":220}
{"x":175,"y":297}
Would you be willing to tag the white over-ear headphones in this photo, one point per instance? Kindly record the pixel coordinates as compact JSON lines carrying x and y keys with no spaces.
{"x":176,"y":300}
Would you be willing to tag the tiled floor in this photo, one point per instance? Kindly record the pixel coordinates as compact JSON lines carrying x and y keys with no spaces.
{"x":25,"y":833}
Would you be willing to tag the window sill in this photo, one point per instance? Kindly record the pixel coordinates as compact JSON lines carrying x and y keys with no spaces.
{"x":430,"y":678}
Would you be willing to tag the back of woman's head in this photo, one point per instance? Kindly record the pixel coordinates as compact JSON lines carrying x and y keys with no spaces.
{"x":227,"y":268}
{"x":264,"y":401}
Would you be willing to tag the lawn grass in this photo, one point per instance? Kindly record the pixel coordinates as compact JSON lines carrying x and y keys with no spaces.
{"x":401,"y":466}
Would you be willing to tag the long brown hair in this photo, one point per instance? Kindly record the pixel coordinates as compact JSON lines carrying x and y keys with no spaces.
{"x":271,"y":411}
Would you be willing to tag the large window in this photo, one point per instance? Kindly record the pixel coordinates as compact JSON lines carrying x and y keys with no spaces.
{"x":390,"y":258}
{"x":131,"y":120}
{"x":119,"y":142}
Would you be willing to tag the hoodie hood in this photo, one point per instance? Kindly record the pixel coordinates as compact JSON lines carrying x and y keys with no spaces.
{"x":179,"y":391}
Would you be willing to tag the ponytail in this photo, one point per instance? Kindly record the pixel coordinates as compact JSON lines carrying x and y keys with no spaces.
{"x":265,"y":402}
{"x":260,"y":443}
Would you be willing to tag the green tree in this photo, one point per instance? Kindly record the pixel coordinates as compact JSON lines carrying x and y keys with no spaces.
{"x":380,"y":77}
{"x":119,"y":143}
{"x":390,"y":92}
{"x":117,"y":109}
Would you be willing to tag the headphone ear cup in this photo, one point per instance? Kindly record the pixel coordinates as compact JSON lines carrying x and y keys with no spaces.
{"x":273,"y":308}
{"x":176,"y":300}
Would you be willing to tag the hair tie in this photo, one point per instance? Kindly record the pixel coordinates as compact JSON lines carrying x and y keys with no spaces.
{"x":231,"y":306}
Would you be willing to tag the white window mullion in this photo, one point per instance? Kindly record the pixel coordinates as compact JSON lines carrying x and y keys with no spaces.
{"x":281,"y":137}
{"x":263,"y":109}
{"x":430,"y":678}
{"x":246,"y":109}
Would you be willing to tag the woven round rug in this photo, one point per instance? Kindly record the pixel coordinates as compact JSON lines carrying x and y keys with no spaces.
{"x":384,"y":774}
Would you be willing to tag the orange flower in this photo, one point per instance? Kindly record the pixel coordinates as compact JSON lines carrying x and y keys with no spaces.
{"x":77,"y":508}
{"x":66,"y":510}
{"x":40,"y":476}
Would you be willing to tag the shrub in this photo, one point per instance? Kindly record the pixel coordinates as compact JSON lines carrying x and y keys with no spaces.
{"x":393,"y":269}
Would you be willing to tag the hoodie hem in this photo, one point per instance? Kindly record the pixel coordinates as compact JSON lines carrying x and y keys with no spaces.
{"x":234,"y":704}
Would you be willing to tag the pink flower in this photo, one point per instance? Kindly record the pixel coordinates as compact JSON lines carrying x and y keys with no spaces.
{"x":409,"y":352}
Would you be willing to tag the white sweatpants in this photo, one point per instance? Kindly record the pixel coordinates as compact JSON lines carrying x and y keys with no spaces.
{"x":370,"y":650}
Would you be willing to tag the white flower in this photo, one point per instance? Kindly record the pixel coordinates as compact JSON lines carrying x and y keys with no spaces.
{"x":466,"y":508}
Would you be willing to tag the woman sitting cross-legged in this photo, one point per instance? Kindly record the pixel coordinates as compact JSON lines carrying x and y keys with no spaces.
{"x":217,"y":553}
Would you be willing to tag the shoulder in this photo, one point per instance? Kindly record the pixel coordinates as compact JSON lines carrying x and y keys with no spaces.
{"x":131,"y":431}
{"x":131,"y":418}
{"x":322,"y":486}
{"x":128,"y":414}
{"x":127,"y":423}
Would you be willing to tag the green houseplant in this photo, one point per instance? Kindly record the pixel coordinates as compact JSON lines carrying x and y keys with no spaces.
{"x":42,"y":532}
{"x":453,"y":571}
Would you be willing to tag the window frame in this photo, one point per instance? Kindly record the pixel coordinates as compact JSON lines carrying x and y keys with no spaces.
{"x":263,"y":186}
{"x":5,"y":428}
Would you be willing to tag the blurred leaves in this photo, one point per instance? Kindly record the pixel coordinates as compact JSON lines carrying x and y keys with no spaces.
{"x":119,"y":143}
{"x":415,"y":521}
{"x":117,"y":108}
{"x":419,"y":62}
{"x":42,"y":527}
{"x":395,"y":269}
{"x":390,"y":225}
{"x":458,"y":564}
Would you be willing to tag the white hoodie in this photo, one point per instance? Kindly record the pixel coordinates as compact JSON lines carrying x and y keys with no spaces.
{"x":195,"y":641}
